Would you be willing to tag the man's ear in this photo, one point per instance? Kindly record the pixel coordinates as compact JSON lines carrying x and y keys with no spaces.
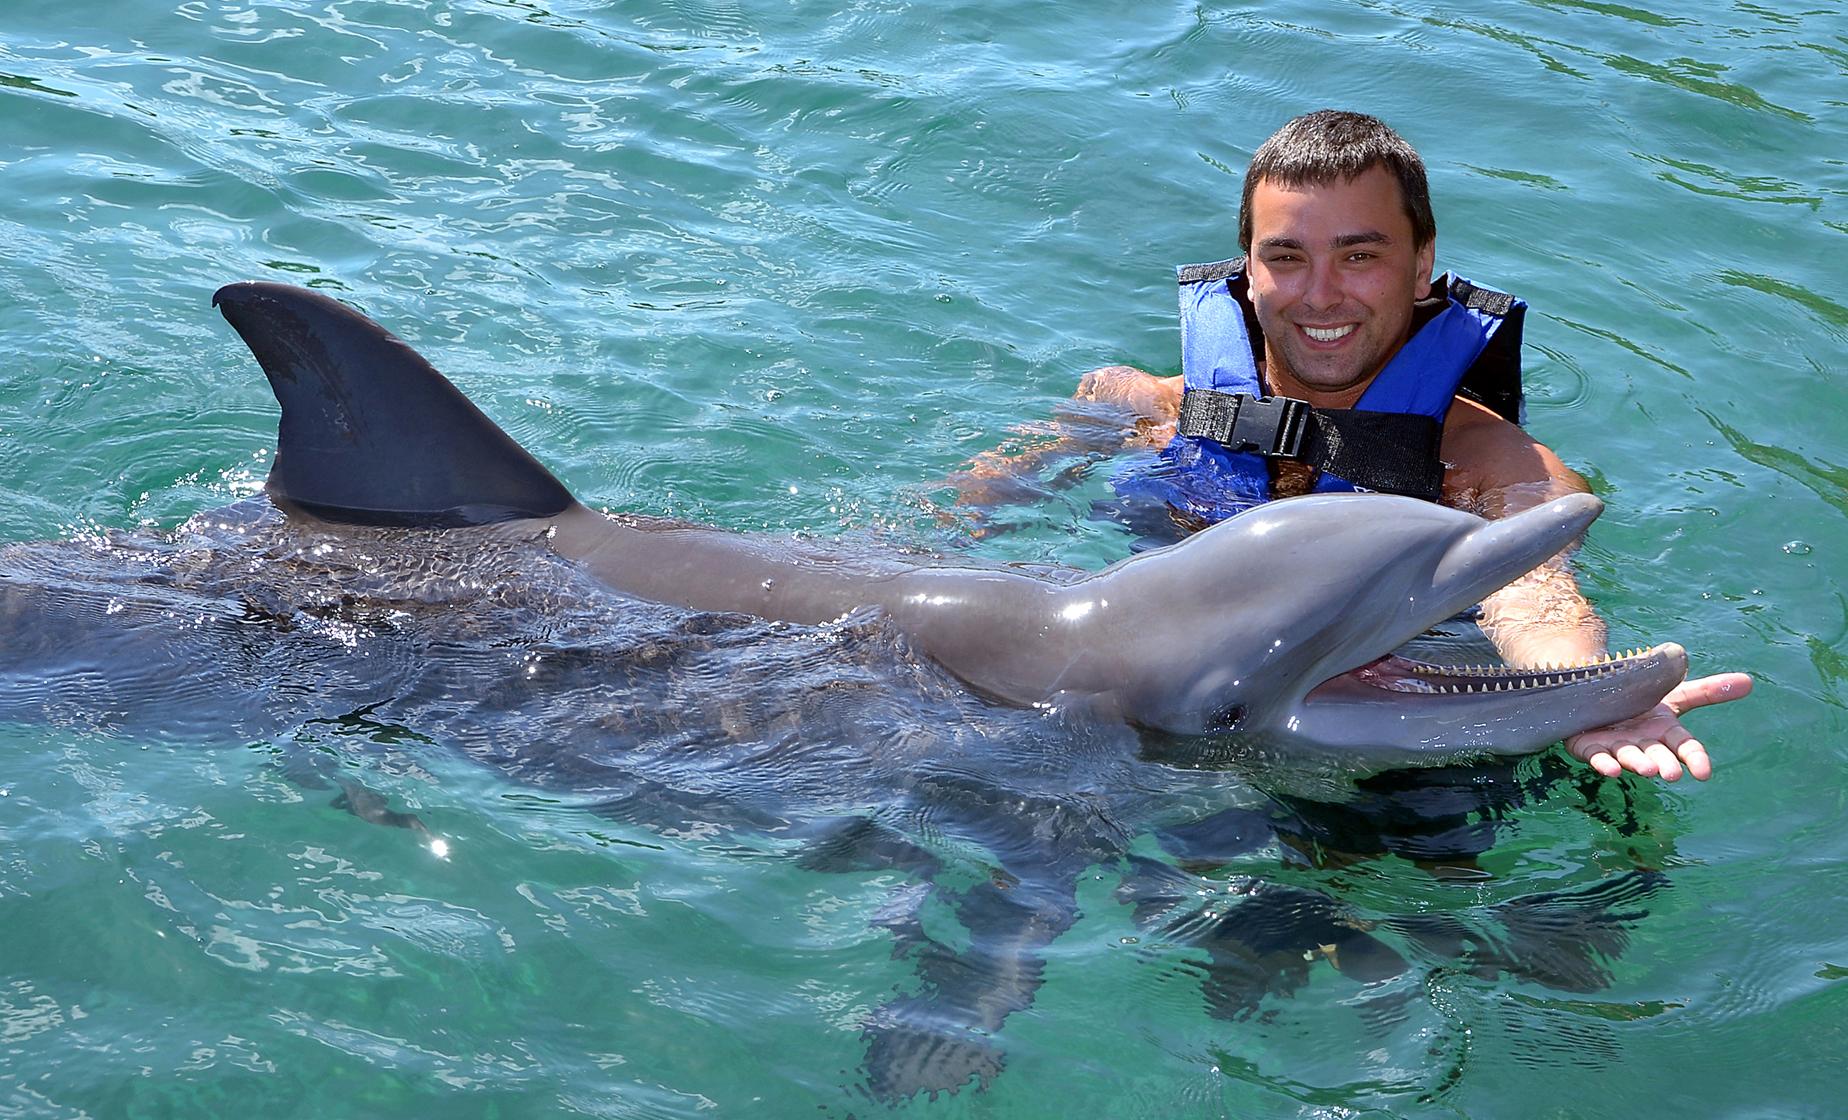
{"x":1427,"y":260}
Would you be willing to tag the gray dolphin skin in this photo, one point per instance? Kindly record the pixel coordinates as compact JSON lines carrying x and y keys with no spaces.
{"x":1279,"y":623}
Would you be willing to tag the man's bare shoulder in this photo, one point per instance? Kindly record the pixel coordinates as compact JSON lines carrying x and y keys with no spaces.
{"x":1485,"y":455}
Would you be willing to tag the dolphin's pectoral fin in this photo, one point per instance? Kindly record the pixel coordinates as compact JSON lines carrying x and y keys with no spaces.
{"x":1561,"y":939}
{"x":371,"y":434}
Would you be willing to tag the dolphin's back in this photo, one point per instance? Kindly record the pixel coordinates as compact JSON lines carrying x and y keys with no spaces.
{"x":371,"y":434}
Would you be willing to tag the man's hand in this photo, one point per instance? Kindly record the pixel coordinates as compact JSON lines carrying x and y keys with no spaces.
{"x":1655,"y":744}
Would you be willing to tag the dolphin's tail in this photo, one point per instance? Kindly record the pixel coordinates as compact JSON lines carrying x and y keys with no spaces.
{"x":371,"y":434}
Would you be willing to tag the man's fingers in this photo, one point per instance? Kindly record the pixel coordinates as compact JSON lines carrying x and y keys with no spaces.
{"x":1605,"y":763}
{"x":1632,"y":758}
{"x":1702,"y":691}
{"x":1668,"y":767}
{"x":1695,"y":756}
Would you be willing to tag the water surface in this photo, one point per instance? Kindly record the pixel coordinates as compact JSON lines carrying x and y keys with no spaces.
{"x":780,"y":269}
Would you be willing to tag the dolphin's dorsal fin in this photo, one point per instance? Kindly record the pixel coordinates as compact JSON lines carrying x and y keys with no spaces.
{"x":371,"y":434}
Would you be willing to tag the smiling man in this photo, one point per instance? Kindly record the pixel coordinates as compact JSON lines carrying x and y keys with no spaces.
{"x":1328,"y":359}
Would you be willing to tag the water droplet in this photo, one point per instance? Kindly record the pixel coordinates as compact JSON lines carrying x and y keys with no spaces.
{"x":1796,"y":548}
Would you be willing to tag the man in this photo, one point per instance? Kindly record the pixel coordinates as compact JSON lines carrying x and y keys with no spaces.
{"x":1340,"y":241}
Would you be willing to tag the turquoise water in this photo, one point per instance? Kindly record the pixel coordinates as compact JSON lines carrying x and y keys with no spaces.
{"x":780,"y":268}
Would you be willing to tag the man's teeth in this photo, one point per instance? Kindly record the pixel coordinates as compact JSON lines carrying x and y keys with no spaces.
{"x":1328,"y":334}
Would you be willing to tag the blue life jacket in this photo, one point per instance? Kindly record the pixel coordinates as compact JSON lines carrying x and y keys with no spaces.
{"x":1465,"y":339}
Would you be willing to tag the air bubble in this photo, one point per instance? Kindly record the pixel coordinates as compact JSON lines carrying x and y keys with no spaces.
{"x":1796,"y":548}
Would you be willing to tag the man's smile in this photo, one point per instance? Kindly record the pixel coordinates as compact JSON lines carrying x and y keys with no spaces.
{"x":1329,"y":334}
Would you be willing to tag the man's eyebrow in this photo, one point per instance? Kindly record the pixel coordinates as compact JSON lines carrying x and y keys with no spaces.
{"x":1369,"y":237}
{"x":1339,"y":241}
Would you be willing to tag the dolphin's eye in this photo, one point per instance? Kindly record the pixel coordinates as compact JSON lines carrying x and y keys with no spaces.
{"x":1225,"y":720}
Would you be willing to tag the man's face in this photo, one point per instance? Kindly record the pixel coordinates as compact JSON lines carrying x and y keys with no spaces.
{"x":1333,"y":277}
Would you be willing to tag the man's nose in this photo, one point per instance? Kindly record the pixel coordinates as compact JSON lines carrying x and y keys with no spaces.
{"x":1324,"y":288}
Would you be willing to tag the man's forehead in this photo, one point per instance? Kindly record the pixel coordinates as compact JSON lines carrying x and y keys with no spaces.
{"x":1367,"y":208}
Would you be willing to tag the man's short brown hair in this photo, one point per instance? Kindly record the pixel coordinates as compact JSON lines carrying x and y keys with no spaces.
{"x":1331,"y":145}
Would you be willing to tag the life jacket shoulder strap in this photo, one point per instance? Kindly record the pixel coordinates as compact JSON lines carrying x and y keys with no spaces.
{"x":1494,"y":378}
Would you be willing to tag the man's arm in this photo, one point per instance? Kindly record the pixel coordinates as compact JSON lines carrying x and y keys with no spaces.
{"x":1115,"y":407}
{"x":1495,"y":469}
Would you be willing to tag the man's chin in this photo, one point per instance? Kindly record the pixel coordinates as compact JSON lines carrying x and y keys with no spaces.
{"x":1321,"y":377}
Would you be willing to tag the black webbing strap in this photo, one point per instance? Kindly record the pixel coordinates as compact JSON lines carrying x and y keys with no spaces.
{"x":1390,"y":452}
{"x":1217,"y":270}
{"x":1486,"y":300}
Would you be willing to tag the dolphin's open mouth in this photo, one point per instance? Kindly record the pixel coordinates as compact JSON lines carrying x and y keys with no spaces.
{"x":1395,"y":701}
{"x":1394,"y":673}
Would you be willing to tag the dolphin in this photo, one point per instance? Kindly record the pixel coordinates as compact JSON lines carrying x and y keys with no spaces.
{"x":1279,"y":625}
{"x":414,"y":577}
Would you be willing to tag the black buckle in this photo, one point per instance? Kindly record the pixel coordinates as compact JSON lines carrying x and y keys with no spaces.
{"x":1271,"y":426}
{"x":1275,"y":427}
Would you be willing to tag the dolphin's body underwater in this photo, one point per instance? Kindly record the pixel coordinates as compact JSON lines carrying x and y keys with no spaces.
{"x":1274,"y":623}
{"x":427,"y":580}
